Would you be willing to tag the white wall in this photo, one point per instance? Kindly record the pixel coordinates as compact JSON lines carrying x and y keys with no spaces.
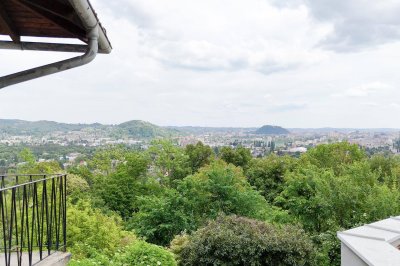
{"x":349,"y":258}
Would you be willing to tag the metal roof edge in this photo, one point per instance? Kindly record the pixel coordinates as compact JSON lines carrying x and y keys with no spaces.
{"x":349,"y":246}
{"x":90,"y":20}
{"x":385,"y":243}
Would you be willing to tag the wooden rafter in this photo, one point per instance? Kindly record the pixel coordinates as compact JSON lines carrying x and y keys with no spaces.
{"x":55,"y":18}
{"x":56,"y":8}
{"x":7,"y":24}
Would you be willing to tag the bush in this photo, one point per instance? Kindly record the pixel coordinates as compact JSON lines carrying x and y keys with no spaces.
{"x":178,"y":244}
{"x":76,"y":186}
{"x":233,"y":240}
{"x":142,"y":253}
{"x":95,"y":259}
{"x":90,"y":232}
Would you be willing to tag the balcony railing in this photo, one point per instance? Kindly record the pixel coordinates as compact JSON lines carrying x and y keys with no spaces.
{"x":33,"y":216}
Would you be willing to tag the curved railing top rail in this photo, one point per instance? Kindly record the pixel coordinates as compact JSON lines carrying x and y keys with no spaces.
{"x":45,"y":174}
{"x":3,"y":187}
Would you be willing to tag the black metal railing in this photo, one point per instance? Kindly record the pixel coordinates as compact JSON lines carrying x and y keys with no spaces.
{"x":33,"y":216}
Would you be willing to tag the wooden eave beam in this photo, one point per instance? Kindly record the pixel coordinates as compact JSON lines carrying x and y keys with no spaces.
{"x":59,"y":20}
{"x":56,"y":8}
{"x":7,"y":24}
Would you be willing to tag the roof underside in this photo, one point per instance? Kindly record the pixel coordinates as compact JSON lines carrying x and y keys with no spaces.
{"x":41,"y":18}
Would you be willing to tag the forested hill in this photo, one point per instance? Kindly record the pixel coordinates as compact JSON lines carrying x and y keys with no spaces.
{"x":22,"y":127}
{"x":134,"y":128}
{"x":271,"y":130}
{"x":138,"y":128}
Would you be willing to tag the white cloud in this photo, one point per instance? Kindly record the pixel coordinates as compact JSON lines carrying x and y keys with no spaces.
{"x":358,"y":24}
{"x":228,"y":35}
{"x":225,"y":63}
{"x":370,"y":104}
{"x":365,"y":90}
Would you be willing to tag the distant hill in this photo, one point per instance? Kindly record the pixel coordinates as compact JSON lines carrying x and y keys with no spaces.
{"x":143,"y":129}
{"x":133,"y":129}
{"x":271,"y":130}
{"x":21,"y":127}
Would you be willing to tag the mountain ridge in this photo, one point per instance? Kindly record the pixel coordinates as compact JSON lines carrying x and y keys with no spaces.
{"x":132,"y":128}
{"x":139,"y":128}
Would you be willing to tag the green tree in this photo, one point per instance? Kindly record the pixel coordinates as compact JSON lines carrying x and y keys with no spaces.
{"x":105,"y":160}
{"x":77,"y":187}
{"x":326,"y":202}
{"x":238,"y":157}
{"x":26,"y":156}
{"x":199,"y":155}
{"x":334,"y":156}
{"x":267,"y":174}
{"x":26,"y":161}
{"x":121,"y":188}
{"x":169,"y":161}
{"x":217,"y":188}
{"x":161,"y":217}
{"x":387,"y":169}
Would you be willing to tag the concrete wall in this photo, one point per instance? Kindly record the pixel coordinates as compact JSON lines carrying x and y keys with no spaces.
{"x":56,"y":259}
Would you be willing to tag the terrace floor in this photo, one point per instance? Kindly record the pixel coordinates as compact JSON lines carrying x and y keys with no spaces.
{"x":55,"y":259}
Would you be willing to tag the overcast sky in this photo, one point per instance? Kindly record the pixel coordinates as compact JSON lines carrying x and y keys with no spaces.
{"x":295,"y":63}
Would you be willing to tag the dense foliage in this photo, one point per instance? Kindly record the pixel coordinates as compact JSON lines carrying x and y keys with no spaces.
{"x":217,"y":188}
{"x":221,"y":209}
{"x":232,"y":240}
{"x":142,"y":253}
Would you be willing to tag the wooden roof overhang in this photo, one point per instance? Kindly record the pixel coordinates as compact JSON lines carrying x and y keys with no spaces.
{"x":44,"y":18}
{"x":74,"y":19}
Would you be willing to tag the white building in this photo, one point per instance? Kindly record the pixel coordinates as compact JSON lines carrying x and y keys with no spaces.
{"x":375,"y":244}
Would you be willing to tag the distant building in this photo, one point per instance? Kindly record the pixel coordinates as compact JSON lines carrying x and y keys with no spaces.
{"x":298,"y":149}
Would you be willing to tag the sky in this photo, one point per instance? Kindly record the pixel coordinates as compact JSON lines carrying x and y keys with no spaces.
{"x":294,"y":63}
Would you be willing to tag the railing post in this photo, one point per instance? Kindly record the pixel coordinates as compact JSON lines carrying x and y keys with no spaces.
{"x":4,"y":225}
{"x":26,"y":224}
{"x":65,"y":212}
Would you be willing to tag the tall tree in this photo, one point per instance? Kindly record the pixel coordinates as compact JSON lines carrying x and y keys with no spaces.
{"x":199,"y":155}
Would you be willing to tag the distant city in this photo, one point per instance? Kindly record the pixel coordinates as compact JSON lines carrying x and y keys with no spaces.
{"x":81,"y":138}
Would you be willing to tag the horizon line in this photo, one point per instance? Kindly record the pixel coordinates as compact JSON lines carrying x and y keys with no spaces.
{"x":200,"y":126}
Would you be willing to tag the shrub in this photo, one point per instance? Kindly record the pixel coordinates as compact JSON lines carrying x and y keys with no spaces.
{"x":233,"y":240}
{"x":89,"y":231}
{"x":142,"y":253}
{"x":178,"y":244}
{"x":76,"y":185}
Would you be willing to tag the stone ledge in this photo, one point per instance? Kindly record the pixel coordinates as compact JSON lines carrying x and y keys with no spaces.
{"x":57,"y":258}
